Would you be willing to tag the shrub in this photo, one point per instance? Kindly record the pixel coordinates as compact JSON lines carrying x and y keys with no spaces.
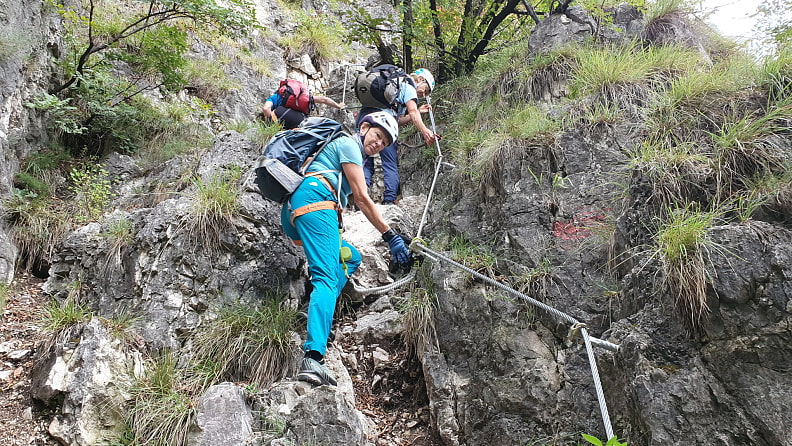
{"x":92,"y":190}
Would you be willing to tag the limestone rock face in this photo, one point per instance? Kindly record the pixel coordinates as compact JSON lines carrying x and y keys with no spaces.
{"x":84,"y":372}
{"x":223,"y":418}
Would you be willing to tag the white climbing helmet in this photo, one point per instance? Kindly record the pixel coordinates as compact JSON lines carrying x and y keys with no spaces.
{"x":427,"y":75}
{"x":385,"y":121}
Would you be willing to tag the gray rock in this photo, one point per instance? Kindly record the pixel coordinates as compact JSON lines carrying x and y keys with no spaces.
{"x":223,"y":418}
{"x":85,"y":375}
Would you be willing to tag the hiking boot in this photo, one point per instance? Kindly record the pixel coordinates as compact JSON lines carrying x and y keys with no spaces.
{"x":388,"y":203}
{"x":314,"y":372}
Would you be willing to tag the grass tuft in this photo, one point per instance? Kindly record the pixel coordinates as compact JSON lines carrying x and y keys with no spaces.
{"x":61,"y":315}
{"x":214,"y":208}
{"x":163,"y":410}
{"x":682,"y":246}
{"x":417,"y":311}
{"x":247,"y":342}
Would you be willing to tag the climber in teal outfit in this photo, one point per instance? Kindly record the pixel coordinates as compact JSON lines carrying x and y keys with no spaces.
{"x":311,"y":218}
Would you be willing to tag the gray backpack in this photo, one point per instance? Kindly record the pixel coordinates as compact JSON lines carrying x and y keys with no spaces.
{"x":379,"y":88}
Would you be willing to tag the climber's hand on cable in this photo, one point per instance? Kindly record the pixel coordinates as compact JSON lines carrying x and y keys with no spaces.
{"x":397,"y":247}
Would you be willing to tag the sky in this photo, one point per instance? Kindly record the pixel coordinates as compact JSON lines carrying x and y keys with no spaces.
{"x":732,"y":17}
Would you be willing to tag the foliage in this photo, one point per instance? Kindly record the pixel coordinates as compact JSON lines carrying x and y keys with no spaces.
{"x":163,"y":410}
{"x":151,"y":34}
{"x":62,"y":117}
{"x":96,"y":110}
{"x":774,"y":22}
{"x":614,"y":441}
{"x":246,"y":342}
{"x":60,"y":315}
{"x":92,"y":189}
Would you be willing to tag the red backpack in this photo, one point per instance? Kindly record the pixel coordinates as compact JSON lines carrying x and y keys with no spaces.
{"x":295,"y":96}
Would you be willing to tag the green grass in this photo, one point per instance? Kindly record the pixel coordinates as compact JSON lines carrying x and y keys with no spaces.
{"x":209,"y":78}
{"x":320,"y":36}
{"x":417,"y":312}
{"x":668,"y":62}
{"x":175,"y":132}
{"x":163,"y":409}
{"x":751,"y":146}
{"x":250,"y":342}
{"x":529,"y":122}
{"x":119,"y":235}
{"x":215,"y":205}
{"x":474,"y":257}
{"x":673,"y":169}
{"x":120,"y":324}
{"x":603,"y":70}
{"x":262,"y":131}
{"x":699,"y":88}
{"x":661,"y":8}
{"x":60,"y":315}
{"x":682,"y":246}
{"x":775,"y":74}
{"x":38,"y":225}
{"x":5,"y":293}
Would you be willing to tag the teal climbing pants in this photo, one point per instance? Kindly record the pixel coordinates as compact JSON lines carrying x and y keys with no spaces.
{"x":319,"y":235}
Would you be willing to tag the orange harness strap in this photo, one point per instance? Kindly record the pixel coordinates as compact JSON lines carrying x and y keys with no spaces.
{"x":318,"y":206}
{"x":312,"y":207}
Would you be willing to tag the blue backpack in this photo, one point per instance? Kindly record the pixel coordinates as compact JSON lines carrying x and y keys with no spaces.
{"x":288,"y":154}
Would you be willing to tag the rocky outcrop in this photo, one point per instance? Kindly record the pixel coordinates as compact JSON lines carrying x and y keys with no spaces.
{"x":30,"y":34}
{"x":498,"y":371}
{"x":85,"y":375}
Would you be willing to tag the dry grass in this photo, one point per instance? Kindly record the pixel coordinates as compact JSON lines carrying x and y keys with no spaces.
{"x":246,"y":342}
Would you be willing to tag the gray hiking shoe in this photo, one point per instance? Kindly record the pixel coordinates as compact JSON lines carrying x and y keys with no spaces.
{"x":315,"y":373}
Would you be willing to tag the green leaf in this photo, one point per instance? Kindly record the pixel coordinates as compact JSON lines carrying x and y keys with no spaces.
{"x":592,"y":439}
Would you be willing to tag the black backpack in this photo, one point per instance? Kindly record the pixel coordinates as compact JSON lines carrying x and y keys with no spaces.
{"x":287,"y":155}
{"x":379,"y":88}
